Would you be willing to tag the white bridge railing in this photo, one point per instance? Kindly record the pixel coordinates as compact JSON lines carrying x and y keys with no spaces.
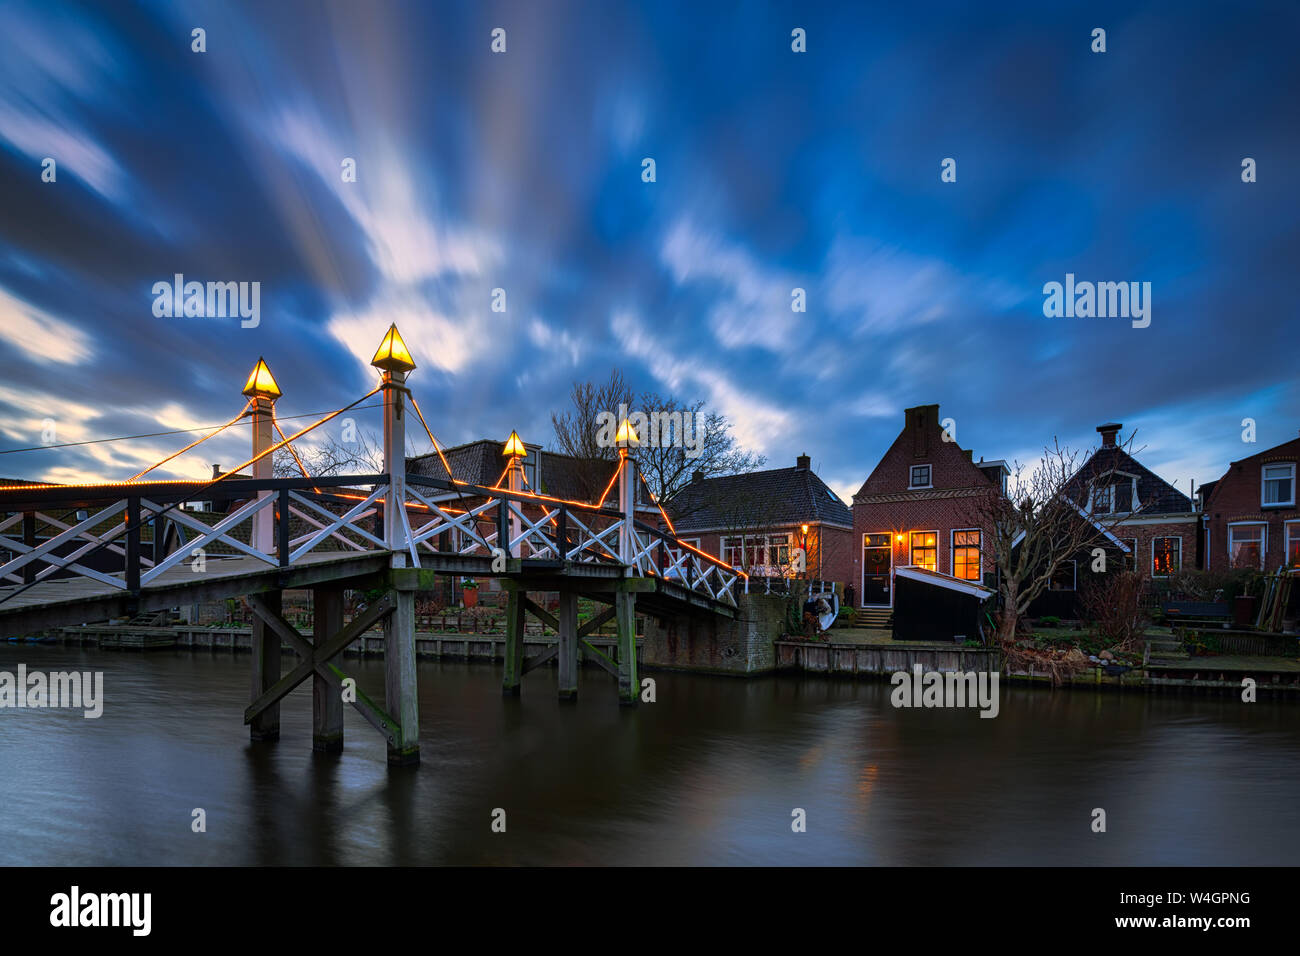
{"x":298,"y":517}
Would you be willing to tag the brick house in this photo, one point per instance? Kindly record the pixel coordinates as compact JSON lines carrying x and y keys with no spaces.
{"x":920,"y":507}
{"x":1250,"y":517}
{"x":1161,"y":533}
{"x":755,"y":521}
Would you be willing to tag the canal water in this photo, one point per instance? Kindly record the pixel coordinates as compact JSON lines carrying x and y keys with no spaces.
{"x":709,"y":774}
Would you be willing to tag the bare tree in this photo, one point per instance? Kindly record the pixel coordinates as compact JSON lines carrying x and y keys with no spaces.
{"x":1043,"y":521}
{"x":676,"y":438}
{"x":683,"y":439}
{"x":577,"y":430}
{"x":330,"y":457}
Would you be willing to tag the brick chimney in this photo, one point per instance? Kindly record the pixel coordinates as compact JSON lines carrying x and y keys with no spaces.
{"x":920,"y":420}
{"x":803,"y":462}
{"x":697,"y":475}
{"x":216,"y":471}
{"x":1108,"y":433}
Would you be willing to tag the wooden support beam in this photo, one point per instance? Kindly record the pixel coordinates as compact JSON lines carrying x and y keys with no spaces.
{"x":568,"y":647}
{"x":597,"y":622}
{"x":375,"y":715}
{"x":542,"y":659}
{"x":275,"y":621}
{"x":514,"y":668}
{"x":267,"y":616}
{"x":263,"y":714}
{"x":539,"y":612}
{"x":600,"y":657}
{"x":401,"y":688}
{"x":629,"y":687}
{"x":360,"y":624}
{"x":326,"y":701}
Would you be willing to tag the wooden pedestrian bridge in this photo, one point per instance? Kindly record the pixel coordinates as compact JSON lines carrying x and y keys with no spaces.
{"x":93,"y":552}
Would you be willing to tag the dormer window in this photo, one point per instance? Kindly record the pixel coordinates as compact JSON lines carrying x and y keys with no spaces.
{"x":1278,"y":486}
{"x":1116,"y":496}
{"x":920,"y":477}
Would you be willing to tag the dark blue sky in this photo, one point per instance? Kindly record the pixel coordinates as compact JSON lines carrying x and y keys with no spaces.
{"x":775,"y":170}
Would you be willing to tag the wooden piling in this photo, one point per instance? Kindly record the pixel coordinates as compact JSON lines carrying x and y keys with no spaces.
{"x":629,"y":687}
{"x":568,"y":635}
{"x":326,"y":700}
{"x":265,"y":671}
{"x":401,"y":687}
{"x":514,"y":669}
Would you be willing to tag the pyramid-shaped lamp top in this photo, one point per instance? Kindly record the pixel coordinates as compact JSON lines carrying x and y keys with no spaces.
{"x":393,"y":355}
{"x":515,"y":446}
{"x":626,"y":437}
{"x":261,"y":383}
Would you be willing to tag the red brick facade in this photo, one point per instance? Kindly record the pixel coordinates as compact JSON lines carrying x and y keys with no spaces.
{"x":890,"y":502}
{"x":829,"y":548}
{"x":1237,"y":502}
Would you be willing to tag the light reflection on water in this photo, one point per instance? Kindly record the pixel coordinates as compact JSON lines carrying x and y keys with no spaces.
{"x":707,"y":775}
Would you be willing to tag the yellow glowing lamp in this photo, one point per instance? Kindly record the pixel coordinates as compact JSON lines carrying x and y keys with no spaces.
{"x":393,"y":355}
{"x":805,"y":530}
{"x":261,"y":383}
{"x":901,"y":539}
{"x":626,"y":437}
{"x":515,"y":447}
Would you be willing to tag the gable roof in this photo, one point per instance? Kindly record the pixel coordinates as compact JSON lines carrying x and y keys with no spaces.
{"x":1156,"y":495}
{"x":929,"y":444}
{"x":779,"y":496}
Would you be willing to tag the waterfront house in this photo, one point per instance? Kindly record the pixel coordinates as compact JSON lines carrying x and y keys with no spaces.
{"x":756,"y":521}
{"x":1249,"y":515}
{"x":1156,"y":522}
{"x":920,"y":507}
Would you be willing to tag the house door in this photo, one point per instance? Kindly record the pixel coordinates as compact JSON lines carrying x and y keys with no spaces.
{"x":877,"y":560}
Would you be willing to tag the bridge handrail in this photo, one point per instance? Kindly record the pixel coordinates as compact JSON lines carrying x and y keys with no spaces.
{"x":15,"y":498}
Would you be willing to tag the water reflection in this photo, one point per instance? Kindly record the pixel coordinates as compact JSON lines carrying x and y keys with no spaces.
{"x":708,"y":775}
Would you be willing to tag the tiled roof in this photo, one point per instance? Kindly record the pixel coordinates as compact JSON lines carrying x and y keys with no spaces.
{"x":1155,"y":494}
{"x":781,"y":496}
{"x":561,"y":476}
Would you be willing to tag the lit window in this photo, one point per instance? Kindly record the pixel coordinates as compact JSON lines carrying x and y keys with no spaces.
{"x":925,"y":549}
{"x":966,"y":555}
{"x":1246,"y":545}
{"x":1279,"y":485}
{"x":1293,"y":544}
{"x":920,"y":476}
{"x":1166,"y":556}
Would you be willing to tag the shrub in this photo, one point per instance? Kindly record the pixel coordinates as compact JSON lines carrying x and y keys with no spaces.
{"x":1113,"y":607}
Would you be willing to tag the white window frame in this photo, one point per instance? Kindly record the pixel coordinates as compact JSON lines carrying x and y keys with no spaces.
{"x":929,"y":471}
{"x":1160,"y":537}
{"x":952,"y":554}
{"x":1263,"y":483}
{"x":911,"y":550}
{"x":1290,"y":532}
{"x":1263,"y":540}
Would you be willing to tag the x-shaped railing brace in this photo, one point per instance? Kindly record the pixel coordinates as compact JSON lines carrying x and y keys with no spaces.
{"x":316,"y":660}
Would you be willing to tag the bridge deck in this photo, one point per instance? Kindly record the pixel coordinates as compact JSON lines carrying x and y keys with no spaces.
{"x":60,"y":602}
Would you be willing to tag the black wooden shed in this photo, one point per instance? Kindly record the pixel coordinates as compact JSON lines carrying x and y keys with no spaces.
{"x":929,"y":606}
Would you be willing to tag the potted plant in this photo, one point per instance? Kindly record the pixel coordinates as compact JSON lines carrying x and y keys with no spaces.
{"x":469,"y":592}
